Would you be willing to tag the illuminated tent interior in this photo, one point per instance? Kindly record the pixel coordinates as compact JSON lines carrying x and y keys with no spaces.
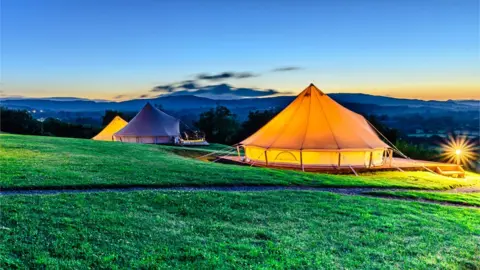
{"x":107,"y":133}
{"x":314,"y":130}
{"x":151,"y":126}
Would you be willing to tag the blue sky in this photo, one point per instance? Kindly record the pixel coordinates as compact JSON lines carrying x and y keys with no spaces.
{"x":101,"y":49}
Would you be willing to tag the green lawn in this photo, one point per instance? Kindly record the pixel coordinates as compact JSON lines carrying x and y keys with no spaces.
{"x":206,"y":230}
{"x":461,"y":198}
{"x":33,"y":161}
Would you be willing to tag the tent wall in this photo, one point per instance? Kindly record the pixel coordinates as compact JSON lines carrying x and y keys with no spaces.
{"x":114,"y":126}
{"x":315,"y":158}
{"x":145,"y":139}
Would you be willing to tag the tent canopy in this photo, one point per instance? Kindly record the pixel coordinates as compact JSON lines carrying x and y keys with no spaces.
{"x":314,"y":121}
{"x":314,"y":130}
{"x":115,"y":125}
{"x":151,"y":122}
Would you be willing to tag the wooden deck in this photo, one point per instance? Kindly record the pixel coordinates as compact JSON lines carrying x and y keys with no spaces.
{"x":400,"y":164}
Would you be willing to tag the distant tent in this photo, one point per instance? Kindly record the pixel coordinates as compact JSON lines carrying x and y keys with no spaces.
{"x":150,"y":125}
{"x":314,"y":130}
{"x":107,"y":133}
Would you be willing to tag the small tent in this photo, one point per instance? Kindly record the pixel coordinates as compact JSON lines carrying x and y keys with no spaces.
{"x":107,"y":133}
{"x":314,"y":130}
{"x":150,"y":125}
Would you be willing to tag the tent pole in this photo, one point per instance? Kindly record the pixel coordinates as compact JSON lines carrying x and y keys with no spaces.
{"x":385,"y":153}
{"x":301,"y":161}
{"x":339,"y":159}
{"x":266,"y":158}
{"x":238,"y":151}
{"x":391,"y":156}
{"x":371,"y":157}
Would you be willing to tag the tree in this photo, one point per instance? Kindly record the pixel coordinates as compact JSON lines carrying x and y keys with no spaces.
{"x":417,"y":151}
{"x":19,"y":122}
{"x":219,"y":125}
{"x":256,"y":120}
{"x":55,"y":127}
{"x":391,"y":134}
{"x":110,"y":114}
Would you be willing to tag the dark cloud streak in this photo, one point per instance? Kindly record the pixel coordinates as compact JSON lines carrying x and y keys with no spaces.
{"x":284,"y":69}
{"x":168,"y":88}
{"x":225,"y":75}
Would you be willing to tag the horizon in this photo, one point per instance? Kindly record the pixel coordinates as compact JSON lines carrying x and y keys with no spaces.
{"x":272,"y":96}
{"x":424,"y":51}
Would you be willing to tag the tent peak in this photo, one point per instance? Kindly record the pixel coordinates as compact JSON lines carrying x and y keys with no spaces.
{"x":313,"y":87}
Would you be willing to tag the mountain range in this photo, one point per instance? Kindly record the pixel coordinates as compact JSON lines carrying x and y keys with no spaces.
{"x":234,"y":98}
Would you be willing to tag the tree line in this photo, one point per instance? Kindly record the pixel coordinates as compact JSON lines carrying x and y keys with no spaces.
{"x":218,"y":124}
{"x":22,"y":122}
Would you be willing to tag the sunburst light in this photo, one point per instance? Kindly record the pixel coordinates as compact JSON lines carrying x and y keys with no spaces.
{"x":459,"y":150}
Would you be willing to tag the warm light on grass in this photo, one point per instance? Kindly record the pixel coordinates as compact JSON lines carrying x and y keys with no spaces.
{"x":459,"y":150}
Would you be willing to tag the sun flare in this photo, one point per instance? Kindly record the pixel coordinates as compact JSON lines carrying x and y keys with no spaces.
{"x":459,"y":150}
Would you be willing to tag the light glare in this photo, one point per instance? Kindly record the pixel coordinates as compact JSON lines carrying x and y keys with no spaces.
{"x":459,"y":150}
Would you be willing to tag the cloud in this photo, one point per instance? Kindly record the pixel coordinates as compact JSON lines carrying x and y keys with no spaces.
{"x":225,"y":91}
{"x":190,"y":84}
{"x":243,"y":75}
{"x":144,"y":96}
{"x":284,"y":69}
{"x":225,"y":75}
{"x":119,"y":97}
{"x":168,"y":88}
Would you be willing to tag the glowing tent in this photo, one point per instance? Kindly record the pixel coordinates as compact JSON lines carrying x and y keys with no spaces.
{"x":150,"y":125}
{"x":107,"y":133}
{"x":314,"y":130}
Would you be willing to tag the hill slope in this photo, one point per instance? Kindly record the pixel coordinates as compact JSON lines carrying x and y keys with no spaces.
{"x":33,"y":161}
{"x":176,"y":229}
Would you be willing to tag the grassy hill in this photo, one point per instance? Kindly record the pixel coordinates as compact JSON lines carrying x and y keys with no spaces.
{"x":205,"y":229}
{"x":33,"y":161}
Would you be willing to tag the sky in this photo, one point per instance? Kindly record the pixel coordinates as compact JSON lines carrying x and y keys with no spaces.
{"x":107,"y":49}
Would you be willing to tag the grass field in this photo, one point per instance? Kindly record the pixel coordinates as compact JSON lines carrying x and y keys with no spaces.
{"x":32,"y":161}
{"x":462,"y":198}
{"x":205,"y":230}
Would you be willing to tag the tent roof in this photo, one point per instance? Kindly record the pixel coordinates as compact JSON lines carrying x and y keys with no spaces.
{"x":314,"y":121}
{"x":150,"y":121}
{"x":115,"y":125}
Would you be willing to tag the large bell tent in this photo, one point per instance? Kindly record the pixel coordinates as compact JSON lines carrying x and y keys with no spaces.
{"x":314,"y":130}
{"x":151,"y":126}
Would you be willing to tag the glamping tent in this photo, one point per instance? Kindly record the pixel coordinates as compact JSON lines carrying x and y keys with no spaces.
{"x":107,"y":133}
{"x":150,"y":125}
{"x":314,"y":130}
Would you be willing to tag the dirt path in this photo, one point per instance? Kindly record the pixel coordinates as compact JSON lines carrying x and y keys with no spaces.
{"x":359,"y":191}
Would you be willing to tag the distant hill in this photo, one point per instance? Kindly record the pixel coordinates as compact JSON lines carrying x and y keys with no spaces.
{"x":185,"y":102}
